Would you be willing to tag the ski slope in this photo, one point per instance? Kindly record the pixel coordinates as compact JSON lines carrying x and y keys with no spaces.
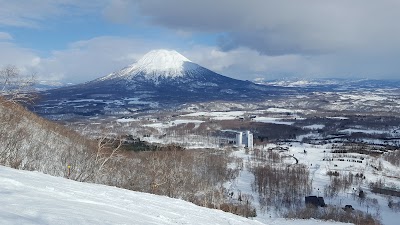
{"x":35,"y":198}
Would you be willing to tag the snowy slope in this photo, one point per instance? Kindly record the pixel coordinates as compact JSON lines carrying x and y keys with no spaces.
{"x":158,"y":64}
{"x":162,"y":61}
{"x":35,"y":198}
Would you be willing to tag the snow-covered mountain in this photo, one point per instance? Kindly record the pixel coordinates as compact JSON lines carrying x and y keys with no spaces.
{"x":34,"y":198}
{"x":156,"y":64}
{"x":161,"y":78}
{"x":161,"y":67}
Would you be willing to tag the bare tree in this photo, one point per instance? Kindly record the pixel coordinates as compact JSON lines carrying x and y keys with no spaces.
{"x":15,"y":86}
{"x":107,"y":149}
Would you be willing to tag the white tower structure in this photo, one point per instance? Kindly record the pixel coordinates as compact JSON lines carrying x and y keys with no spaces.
{"x":249,"y":140}
{"x":239,"y":139}
{"x":244,"y":139}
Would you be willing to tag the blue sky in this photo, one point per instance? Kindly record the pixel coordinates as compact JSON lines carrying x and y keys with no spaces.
{"x":76,"y":41}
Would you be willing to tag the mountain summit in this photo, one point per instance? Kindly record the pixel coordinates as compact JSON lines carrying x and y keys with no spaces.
{"x":162,"y":61}
{"x":158,"y":64}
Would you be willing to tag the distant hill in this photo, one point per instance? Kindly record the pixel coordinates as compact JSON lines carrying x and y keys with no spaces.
{"x":333,"y":84}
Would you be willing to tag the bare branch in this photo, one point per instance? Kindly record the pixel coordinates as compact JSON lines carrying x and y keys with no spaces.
{"x":15,"y":86}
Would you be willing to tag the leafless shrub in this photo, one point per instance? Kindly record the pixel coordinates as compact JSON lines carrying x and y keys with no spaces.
{"x":270,"y":156}
{"x":393,"y":205}
{"x":195,"y":175}
{"x":333,"y":213}
{"x":393,"y":157}
{"x":281,"y":186}
{"x":15,"y":86}
{"x":340,"y":182}
{"x":332,"y":173}
{"x":32,"y":143}
{"x":246,"y":210}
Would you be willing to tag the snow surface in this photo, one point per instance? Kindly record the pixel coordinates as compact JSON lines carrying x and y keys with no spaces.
{"x":366,"y":131}
{"x":174,"y":123}
{"x":337,"y":117}
{"x":162,"y":60}
{"x":315,"y":126}
{"x":244,"y":184}
{"x":231,"y":115}
{"x":272,"y":120}
{"x":314,"y":159}
{"x":281,"y":110}
{"x":158,"y":64}
{"x":35,"y":198}
{"x":127,"y":120}
{"x":363,"y":97}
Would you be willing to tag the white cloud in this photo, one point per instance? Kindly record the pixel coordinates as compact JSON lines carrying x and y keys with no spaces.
{"x":5,"y":36}
{"x":120,"y":11}
{"x":90,"y":59}
{"x":248,"y":64}
{"x":258,"y":38}
{"x":23,"y":58}
{"x":285,"y":26}
{"x":359,"y":38}
{"x":32,"y":13}
{"x":81,"y":61}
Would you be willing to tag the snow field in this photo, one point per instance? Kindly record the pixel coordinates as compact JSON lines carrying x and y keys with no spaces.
{"x":319,"y":168}
{"x":35,"y":198}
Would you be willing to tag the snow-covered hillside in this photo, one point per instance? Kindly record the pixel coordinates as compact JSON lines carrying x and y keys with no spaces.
{"x":34,"y":198}
{"x":32,"y":143}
